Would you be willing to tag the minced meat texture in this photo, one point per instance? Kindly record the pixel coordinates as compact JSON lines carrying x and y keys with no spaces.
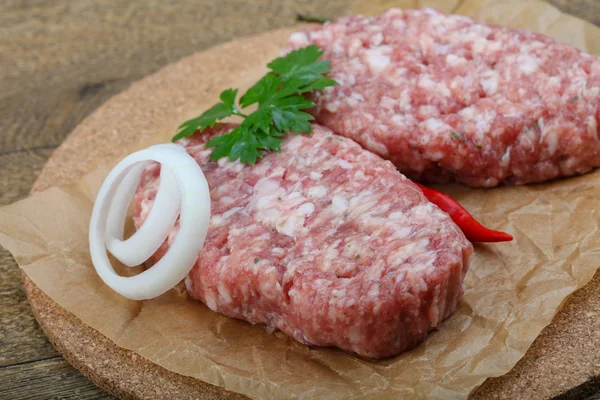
{"x":448,"y":99}
{"x":324,"y":241}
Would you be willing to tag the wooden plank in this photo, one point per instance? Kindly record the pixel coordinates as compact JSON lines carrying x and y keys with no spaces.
{"x":21,"y":339}
{"x":19,"y":171}
{"x":45,"y":119}
{"x":60,"y":60}
{"x":48,"y":379}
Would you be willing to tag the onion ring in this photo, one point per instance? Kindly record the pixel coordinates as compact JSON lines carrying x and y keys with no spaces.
{"x":146,"y":240}
{"x":176,"y":166}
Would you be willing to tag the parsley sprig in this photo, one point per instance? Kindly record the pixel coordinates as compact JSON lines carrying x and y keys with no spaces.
{"x":280,"y":100}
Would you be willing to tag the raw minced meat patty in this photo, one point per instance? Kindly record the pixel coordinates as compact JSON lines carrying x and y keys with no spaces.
{"x":445,"y":98}
{"x":325,"y":241}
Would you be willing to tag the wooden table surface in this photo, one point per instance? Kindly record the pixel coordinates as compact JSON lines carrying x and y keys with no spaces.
{"x":59,"y":60}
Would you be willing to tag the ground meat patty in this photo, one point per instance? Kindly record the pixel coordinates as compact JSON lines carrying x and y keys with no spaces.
{"x":325,"y":241}
{"x":445,"y":98}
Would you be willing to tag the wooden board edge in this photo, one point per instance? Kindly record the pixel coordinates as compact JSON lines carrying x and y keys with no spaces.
{"x":118,"y":371}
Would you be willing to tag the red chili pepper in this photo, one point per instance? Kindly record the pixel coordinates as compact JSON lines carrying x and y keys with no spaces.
{"x":472,"y":229}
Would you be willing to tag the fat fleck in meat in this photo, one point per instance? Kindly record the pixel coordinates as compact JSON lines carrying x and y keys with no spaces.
{"x":445,"y":98}
{"x":326,"y":242}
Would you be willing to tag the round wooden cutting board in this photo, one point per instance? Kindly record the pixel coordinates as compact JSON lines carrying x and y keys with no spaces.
{"x":131,"y":118}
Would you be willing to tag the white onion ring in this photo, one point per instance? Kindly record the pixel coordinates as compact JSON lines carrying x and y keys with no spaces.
{"x":146,"y":240}
{"x":194,"y":218}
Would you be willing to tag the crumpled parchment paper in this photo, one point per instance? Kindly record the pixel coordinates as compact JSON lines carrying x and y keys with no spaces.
{"x":513,"y":289}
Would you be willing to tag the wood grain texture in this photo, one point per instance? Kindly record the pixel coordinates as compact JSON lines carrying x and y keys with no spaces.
{"x":60,"y":60}
{"x":53,"y":378}
{"x":19,"y":171}
{"x":21,"y":340}
{"x":123,"y":372}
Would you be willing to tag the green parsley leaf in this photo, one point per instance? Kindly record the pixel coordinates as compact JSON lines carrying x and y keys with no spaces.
{"x":238,"y":143}
{"x":301,"y":64}
{"x":217,"y":112}
{"x":280,"y":100}
{"x":262,"y":90}
{"x":288,"y":117}
{"x":269,"y":142}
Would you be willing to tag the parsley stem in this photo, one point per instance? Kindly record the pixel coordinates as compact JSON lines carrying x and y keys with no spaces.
{"x":239,"y":113}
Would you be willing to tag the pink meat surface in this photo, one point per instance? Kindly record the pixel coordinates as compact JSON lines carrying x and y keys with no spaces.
{"x":326,"y":242}
{"x":445,"y":98}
